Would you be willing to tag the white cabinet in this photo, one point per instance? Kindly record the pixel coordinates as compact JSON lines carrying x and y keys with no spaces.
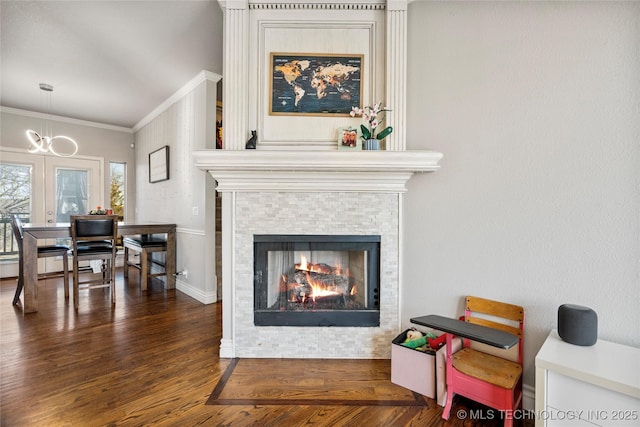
{"x":586,"y":386}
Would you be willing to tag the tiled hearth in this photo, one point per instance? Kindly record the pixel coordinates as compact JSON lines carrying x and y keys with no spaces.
{"x":272,"y":192}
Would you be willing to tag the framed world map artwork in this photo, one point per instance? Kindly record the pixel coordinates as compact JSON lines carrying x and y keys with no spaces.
{"x":315,"y":84}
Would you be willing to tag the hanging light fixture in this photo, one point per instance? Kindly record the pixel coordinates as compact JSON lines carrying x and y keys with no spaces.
{"x":60,"y":145}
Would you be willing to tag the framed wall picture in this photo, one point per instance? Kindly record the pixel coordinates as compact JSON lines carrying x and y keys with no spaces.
{"x":349,"y":138}
{"x":315,"y":84}
{"x":159,"y":165}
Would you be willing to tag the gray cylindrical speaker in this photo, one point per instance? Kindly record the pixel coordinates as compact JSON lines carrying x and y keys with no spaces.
{"x":577,"y":324}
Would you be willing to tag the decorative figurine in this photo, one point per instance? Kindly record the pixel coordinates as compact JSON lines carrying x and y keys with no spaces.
{"x":251,"y":143}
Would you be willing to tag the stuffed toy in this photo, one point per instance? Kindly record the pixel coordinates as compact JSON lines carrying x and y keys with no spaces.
{"x":436,"y":342}
{"x":413,"y":334}
{"x":422,"y":342}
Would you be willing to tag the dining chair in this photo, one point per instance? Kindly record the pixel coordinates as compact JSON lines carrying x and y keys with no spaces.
{"x":47,"y":251}
{"x":495,"y":379}
{"x":145,"y":245}
{"x":94,"y":237}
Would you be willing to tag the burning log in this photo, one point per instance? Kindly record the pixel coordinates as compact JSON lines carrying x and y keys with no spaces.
{"x":314,"y":281}
{"x":316,"y":286}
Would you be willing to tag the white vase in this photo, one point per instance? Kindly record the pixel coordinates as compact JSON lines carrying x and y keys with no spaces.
{"x":371,"y":144}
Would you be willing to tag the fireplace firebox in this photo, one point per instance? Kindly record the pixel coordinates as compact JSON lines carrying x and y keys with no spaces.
{"x":316,"y":280}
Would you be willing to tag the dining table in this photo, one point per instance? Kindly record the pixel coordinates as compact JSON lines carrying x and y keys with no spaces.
{"x":32,"y":232}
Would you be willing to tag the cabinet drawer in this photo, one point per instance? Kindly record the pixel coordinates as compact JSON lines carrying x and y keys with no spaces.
{"x":596,"y":405}
{"x":560,"y":418}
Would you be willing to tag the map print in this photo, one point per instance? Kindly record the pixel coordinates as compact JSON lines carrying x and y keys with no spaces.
{"x":310,"y":84}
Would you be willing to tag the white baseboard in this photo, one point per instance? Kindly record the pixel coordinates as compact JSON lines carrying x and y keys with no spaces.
{"x":528,"y":397}
{"x":226,"y":349}
{"x":195,"y":293}
{"x":187,"y":288}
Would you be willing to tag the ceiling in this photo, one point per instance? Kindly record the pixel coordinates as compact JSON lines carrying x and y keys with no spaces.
{"x":110,"y":62}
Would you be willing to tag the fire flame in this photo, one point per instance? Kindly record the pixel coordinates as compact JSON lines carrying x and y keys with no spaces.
{"x":319,"y":278}
{"x":304,"y":265}
{"x":320,"y":289}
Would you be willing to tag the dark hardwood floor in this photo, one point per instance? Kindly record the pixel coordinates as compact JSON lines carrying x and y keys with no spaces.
{"x":152,"y":359}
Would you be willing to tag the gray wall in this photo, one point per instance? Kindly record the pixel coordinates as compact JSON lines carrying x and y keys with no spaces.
{"x":536,"y":107}
{"x":96,"y":140}
{"x":185,"y":125}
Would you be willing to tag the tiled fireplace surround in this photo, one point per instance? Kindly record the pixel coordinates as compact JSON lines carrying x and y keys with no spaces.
{"x":316,"y":213}
{"x":296,"y":181}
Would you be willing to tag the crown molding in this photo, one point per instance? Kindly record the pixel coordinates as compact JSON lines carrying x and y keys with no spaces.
{"x":233,"y":4}
{"x":62,"y":119}
{"x":320,"y":4}
{"x":191,"y":85}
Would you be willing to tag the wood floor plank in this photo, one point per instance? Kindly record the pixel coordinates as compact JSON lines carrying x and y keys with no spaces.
{"x":152,"y":359}
{"x":315,"y":379}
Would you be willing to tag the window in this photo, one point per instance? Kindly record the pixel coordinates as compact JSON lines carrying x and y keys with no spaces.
{"x":15,"y":198}
{"x":71,"y":193}
{"x":117,"y":194}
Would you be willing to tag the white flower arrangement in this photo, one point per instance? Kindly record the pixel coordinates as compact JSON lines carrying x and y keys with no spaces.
{"x":370,"y":115}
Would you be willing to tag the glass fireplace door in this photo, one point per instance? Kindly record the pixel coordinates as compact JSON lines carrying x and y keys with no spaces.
{"x":305,"y":280}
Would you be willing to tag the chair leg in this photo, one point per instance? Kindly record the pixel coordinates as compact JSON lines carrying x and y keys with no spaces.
{"x":446,"y":412}
{"x":76,"y":290}
{"x":144,"y":270}
{"x":65,"y":267}
{"x":112,"y":264}
{"x":126,"y":262}
{"x":20,"y":284}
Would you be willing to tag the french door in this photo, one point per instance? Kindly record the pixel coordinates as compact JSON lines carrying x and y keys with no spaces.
{"x":71,"y":186}
{"x":58,"y":187}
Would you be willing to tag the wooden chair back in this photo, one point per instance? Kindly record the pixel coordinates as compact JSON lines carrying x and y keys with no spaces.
{"x":16,"y":226}
{"x":497,"y":315}
{"x":89,"y":228}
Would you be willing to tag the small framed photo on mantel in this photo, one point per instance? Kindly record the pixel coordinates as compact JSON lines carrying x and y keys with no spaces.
{"x":349,"y":139}
{"x":159,"y":165}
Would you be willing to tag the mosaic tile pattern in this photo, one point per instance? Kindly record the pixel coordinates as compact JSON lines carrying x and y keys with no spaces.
{"x":315,"y":213}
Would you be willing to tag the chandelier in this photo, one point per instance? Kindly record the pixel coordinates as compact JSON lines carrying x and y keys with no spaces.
{"x":60,"y":145}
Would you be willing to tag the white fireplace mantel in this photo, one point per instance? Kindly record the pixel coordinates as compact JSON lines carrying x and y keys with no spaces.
{"x":318,"y":171}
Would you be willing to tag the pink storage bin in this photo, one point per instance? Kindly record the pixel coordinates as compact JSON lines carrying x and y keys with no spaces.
{"x":413,"y":369}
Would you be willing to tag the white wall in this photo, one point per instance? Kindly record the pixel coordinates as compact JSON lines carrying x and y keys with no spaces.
{"x":186,"y":122}
{"x":536,"y":107}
